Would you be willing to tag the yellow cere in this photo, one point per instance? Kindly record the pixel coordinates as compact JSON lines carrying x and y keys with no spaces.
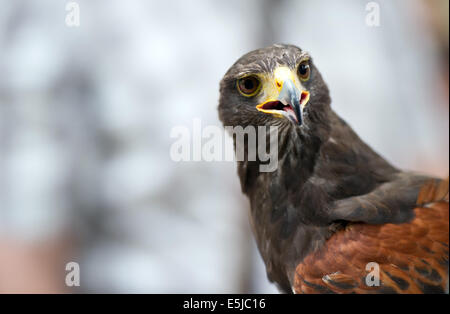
{"x":282,"y":74}
{"x":273,"y":83}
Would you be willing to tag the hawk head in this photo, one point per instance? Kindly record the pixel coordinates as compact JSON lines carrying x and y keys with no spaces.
{"x":276,"y":85}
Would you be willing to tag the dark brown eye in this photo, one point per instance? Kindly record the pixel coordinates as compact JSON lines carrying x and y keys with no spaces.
{"x":304,"y":71}
{"x":248,"y":86}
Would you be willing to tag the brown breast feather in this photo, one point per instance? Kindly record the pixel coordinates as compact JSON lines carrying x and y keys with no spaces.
{"x":412,"y":256}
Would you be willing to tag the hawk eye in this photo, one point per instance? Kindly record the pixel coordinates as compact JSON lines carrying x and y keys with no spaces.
{"x":248,"y":86}
{"x":304,"y":71}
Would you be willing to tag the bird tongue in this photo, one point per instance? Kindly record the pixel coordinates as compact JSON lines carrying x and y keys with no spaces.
{"x":278,"y":105}
{"x":291,"y":113}
{"x":288,"y":109}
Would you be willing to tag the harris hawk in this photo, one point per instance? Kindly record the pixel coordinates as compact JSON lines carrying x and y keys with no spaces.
{"x":333,"y":212}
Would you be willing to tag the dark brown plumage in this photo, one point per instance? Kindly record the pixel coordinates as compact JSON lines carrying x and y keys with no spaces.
{"x":333,"y":204}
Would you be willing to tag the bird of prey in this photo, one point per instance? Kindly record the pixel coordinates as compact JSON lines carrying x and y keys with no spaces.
{"x":334,"y":217}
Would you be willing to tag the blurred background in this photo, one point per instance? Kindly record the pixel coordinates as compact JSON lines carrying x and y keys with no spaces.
{"x":86,"y":114}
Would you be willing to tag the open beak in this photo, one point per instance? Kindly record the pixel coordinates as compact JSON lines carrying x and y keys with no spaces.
{"x":289,"y":103}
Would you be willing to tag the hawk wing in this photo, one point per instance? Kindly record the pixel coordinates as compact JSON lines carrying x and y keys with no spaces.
{"x":412,"y":257}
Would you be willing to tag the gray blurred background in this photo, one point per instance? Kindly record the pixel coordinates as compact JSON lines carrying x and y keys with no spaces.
{"x":86,"y":114}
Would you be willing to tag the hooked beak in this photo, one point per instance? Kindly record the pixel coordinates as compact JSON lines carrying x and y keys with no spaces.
{"x":289,"y":103}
